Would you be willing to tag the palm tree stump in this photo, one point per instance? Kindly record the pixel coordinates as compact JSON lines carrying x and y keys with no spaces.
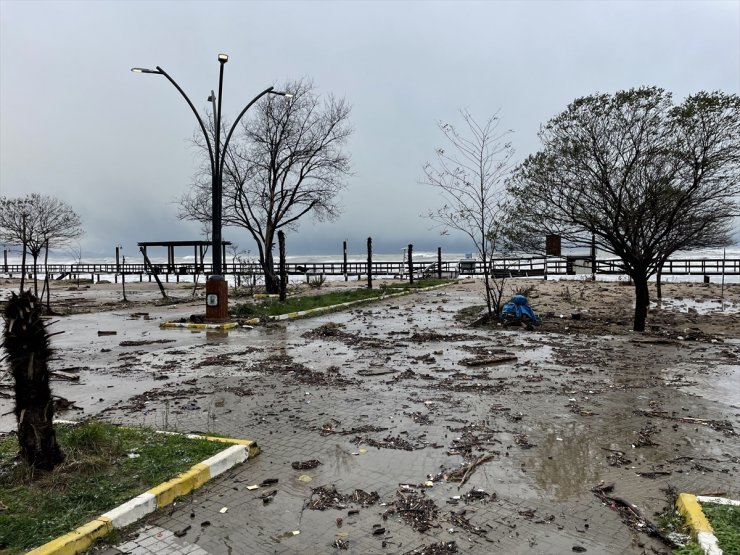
{"x":27,"y":345}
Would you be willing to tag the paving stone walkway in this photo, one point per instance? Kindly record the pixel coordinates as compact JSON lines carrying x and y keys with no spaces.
{"x":397,"y":397}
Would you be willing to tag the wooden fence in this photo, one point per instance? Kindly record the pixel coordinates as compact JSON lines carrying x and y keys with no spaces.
{"x":517,"y":267}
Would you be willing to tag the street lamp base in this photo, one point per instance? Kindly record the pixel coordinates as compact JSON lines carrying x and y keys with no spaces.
{"x":217,"y":300}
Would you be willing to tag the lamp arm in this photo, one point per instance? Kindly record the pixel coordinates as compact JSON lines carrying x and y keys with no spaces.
{"x":197,"y":116}
{"x":236,"y":122}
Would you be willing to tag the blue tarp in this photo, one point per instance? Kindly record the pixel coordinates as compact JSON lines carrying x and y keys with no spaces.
{"x":518,"y":309}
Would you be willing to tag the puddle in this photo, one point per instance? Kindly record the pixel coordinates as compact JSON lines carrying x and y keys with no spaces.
{"x":722,"y":386}
{"x":700,"y":306}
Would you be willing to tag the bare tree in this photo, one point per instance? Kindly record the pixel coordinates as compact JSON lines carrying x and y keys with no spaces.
{"x":287,"y":162}
{"x":645,"y":177}
{"x":471,"y":177}
{"x":36,"y":222}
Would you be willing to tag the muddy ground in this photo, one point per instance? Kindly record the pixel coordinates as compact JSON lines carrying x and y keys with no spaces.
{"x":396,"y":427}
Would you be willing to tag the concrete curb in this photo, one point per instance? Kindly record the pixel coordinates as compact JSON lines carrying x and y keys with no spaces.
{"x":80,"y":539}
{"x":689,"y":506}
{"x":191,"y":325}
{"x":293,"y":315}
{"x":332,"y":308}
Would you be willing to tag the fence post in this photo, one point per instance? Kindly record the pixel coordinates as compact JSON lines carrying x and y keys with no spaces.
{"x":344,"y":251}
{"x":439,"y":262}
{"x":593,"y":257}
{"x":411,"y":264}
{"x":369,"y":262}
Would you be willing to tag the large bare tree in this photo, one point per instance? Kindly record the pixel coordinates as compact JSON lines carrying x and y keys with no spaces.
{"x":471,"y":173}
{"x":645,"y":177}
{"x":288,"y":161}
{"x":37,"y":222}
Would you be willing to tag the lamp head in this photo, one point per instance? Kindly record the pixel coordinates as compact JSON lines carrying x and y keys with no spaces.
{"x":223,"y":58}
{"x":144,"y":70}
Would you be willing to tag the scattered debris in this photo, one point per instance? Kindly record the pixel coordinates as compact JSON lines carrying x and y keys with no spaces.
{"x":328,"y":428}
{"x":389,"y":442}
{"x":458,"y":519}
{"x":522,"y":440}
{"x":326,"y":497}
{"x":442,"y":548}
{"x":305,"y":465}
{"x":416,"y":510}
{"x":719,"y":425}
{"x":576,"y":408}
{"x":488,"y":361}
{"x":340,"y":544}
{"x":630,"y":514}
{"x":141,"y":342}
{"x":616,"y":457}
{"x":182,"y":531}
{"x":268,"y":496}
{"x":645,"y":436}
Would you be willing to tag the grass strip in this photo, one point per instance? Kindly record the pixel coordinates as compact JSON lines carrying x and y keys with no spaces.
{"x":273,"y":307}
{"x":725,"y":521}
{"x":105,"y":466}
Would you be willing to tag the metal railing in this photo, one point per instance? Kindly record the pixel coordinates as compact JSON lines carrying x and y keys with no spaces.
{"x":534,"y":266}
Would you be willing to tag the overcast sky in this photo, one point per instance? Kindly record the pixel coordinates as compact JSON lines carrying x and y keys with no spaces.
{"x":77,"y":124}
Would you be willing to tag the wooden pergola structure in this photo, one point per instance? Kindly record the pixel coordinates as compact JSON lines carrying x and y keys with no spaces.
{"x":199,"y":248}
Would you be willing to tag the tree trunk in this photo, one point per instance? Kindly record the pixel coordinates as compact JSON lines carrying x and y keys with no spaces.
{"x":27,"y":346}
{"x":35,"y":256}
{"x":658,"y":291}
{"x":487,"y":283}
{"x":272,"y":280}
{"x":283,"y":274}
{"x":642,"y":301}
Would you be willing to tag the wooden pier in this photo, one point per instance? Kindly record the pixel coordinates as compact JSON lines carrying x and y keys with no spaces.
{"x":518,"y":267}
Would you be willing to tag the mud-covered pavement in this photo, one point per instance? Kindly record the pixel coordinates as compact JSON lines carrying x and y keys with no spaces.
{"x":397,"y":428}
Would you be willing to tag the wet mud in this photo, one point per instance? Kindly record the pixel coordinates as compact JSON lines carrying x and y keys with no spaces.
{"x":398,"y":428}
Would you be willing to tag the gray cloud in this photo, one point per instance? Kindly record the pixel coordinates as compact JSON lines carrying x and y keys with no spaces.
{"x":77,"y":124}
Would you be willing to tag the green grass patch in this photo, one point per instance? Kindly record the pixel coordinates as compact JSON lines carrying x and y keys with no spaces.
{"x":101,"y":471}
{"x":273,"y":307}
{"x":725,"y":521}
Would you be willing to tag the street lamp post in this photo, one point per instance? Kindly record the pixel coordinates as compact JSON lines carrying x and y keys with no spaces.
{"x":217,"y":291}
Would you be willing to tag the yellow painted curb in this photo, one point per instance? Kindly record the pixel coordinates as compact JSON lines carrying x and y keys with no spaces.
{"x":251,"y":446}
{"x":77,"y":540}
{"x":182,"y":484}
{"x":189,"y":325}
{"x":689,"y":507}
{"x":324,"y":309}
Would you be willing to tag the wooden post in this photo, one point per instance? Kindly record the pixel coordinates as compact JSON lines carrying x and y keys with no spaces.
{"x":369,"y":262}
{"x":151,"y":271}
{"x":411,"y":264}
{"x":439,"y":262}
{"x":593,"y":257}
{"x":5,"y":260}
{"x":123,"y":282}
{"x":344,"y":251}
{"x":283,"y":274}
